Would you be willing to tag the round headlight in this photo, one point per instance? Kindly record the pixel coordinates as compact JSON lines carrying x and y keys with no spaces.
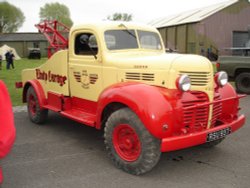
{"x":221,"y":78}
{"x":183,"y":83}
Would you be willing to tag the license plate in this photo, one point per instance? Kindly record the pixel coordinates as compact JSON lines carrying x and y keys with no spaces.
{"x":218,"y":134}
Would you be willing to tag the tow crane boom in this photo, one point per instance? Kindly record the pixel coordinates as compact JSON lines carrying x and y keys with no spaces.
{"x":56,"y":33}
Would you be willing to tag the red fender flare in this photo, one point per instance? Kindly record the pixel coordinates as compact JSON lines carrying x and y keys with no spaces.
{"x":153,"y":105}
{"x":38,"y":89}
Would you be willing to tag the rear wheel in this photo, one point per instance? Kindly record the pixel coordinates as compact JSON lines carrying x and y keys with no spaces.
{"x":130,"y":146}
{"x":36,"y":114}
{"x":242,"y":83}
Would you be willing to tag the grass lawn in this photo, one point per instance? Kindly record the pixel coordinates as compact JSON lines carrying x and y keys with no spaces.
{"x":10,"y":77}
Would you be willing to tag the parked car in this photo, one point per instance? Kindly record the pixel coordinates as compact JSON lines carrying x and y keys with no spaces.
{"x":7,"y":128}
{"x":34,"y":53}
{"x":238,"y":70}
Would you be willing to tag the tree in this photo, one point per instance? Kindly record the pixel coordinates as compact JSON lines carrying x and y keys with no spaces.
{"x":11,"y":18}
{"x":56,"y":11}
{"x":121,"y":17}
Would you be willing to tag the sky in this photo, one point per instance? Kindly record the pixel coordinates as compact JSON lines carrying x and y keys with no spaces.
{"x":96,"y":10}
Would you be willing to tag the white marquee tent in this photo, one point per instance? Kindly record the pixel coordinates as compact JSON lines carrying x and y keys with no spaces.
{"x":5,"y":48}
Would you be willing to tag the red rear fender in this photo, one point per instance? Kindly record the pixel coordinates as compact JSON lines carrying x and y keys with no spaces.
{"x":38,"y":89}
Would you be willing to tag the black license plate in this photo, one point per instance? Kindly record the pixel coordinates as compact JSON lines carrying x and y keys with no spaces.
{"x":218,"y":134}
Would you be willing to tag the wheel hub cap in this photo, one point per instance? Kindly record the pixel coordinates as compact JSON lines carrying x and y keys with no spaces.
{"x":126,"y":142}
{"x":32,"y":105}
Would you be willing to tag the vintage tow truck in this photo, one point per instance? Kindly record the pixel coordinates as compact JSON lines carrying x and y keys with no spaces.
{"x":117,"y":76}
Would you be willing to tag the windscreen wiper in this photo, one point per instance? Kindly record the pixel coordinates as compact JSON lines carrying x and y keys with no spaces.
{"x":127,"y":30}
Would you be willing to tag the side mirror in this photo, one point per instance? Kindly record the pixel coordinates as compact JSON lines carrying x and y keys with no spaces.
{"x":84,"y":39}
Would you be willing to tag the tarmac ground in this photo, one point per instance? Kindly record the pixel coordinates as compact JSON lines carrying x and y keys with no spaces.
{"x":63,"y":153}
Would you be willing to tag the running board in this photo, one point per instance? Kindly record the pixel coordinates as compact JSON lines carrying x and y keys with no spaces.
{"x":80,"y":116}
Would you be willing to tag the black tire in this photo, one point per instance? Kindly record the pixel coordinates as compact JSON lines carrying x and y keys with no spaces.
{"x":212,"y":144}
{"x":36,"y":114}
{"x":242,"y":83}
{"x":125,"y":134}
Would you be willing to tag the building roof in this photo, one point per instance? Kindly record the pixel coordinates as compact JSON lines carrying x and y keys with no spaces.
{"x":192,"y":16}
{"x":13,"y":37}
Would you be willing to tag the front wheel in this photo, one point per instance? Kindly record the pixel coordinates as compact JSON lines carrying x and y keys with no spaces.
{"x":36,"y":113}
{"x":130,"y":146}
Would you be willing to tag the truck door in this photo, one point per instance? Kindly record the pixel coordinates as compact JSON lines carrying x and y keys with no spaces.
{"x":85,"y":66}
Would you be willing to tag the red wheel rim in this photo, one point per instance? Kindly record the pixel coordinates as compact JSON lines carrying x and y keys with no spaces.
{"x":32,"y":105}
{"x":126,"y":142}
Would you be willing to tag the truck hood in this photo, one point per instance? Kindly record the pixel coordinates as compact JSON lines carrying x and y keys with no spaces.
{"x":141,"y":60}
{"x":162,"y":69}
{"x":157,"y":61}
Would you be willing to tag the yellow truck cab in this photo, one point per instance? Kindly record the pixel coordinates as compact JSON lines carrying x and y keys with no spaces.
{"x":117,"y":76}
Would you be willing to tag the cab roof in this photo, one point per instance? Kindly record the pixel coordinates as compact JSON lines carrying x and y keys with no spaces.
{"x":107,"y":25}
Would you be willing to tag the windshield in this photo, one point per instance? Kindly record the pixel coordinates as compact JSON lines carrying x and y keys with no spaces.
{"x":120,"y":39}
{"x":126,"y":39}
{"x":149,"y":40}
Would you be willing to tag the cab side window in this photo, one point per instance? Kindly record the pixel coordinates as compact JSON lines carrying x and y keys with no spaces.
{"x":86,"y":44}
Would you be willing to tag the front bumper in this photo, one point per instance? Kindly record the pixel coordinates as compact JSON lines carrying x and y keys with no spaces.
{"x":193,"y":139}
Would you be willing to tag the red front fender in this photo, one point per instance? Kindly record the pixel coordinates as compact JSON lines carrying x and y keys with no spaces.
{"x":230,"y":108}
{"x":153,"y":105}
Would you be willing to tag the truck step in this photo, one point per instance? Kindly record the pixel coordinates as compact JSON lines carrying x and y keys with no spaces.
{"x":80,"y":116}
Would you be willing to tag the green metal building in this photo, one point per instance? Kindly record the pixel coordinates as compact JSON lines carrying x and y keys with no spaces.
{"x":22,"y":42}
{"x":206,"y":31}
